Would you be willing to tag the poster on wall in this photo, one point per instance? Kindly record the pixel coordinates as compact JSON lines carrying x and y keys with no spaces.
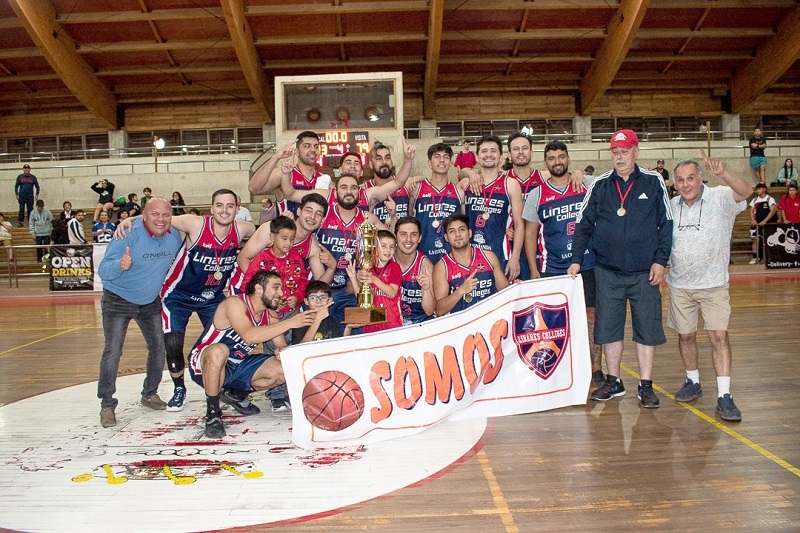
{"x":71,"y":268}
{"x":782,"y":245}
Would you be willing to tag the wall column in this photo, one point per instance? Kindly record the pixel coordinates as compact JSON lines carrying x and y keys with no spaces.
{"x":730,"y":125}
{"x":118,"y":143}
{"x":582,"y":128}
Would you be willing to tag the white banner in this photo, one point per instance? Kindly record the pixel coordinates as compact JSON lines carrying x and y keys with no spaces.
{"x":522,"y":350}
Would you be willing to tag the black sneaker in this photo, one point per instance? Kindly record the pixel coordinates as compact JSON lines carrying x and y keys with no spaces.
{"x":280,"y":405}
{"x":214,"y":427}
{"x":688,"y":392}
{"x":609,"y":389}
{"x":647,"y":397}
{"x":243,"y":406}
{"x":178,"y":400}
{"x":598,"y":378}
{"x":727,"y":410}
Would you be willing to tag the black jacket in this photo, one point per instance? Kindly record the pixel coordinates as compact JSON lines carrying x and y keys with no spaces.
{"x":627,"y":244}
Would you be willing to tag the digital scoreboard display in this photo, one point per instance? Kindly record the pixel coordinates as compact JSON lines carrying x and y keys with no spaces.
{"x":333,"y":144}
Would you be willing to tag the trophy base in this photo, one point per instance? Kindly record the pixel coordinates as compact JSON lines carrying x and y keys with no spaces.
{"x":364,"y":315}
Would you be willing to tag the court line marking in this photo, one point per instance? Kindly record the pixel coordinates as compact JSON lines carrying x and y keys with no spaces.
{"x":499,"y":498}
{"x":719,"y":425}
{"x":41,"y":339}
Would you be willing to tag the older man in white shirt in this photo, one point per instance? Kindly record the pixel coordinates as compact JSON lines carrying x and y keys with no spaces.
{"x":698,"y":277}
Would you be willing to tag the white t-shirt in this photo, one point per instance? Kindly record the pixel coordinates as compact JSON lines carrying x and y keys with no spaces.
{"x":701,"y":239}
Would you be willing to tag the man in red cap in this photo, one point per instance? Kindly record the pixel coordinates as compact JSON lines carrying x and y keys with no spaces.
{"x":627,"y":215}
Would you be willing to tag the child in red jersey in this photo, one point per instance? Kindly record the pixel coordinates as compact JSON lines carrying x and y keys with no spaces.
{"x":386,"y":277}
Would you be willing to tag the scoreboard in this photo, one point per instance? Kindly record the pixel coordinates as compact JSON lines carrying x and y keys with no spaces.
{"x":334,"y":143}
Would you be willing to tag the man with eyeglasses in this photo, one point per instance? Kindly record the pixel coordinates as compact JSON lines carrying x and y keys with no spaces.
{"x":698,"y":275}
{"x":627,"y":213}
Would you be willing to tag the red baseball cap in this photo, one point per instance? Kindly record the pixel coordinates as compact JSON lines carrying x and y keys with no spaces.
{"x":624,"y":139}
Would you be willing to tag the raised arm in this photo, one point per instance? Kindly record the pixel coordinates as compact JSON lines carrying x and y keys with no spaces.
{"x":382,"y":192}
{"x":266,"y":180}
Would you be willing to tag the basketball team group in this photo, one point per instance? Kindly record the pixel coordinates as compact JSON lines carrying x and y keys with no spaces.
{"x":441,"y":247}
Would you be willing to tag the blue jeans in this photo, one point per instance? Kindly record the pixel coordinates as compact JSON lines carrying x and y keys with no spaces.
{"x":117,"y":314}
{"x":23,"y":203}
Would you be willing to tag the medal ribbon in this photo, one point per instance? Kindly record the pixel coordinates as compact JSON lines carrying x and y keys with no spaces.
{"x":622,"y":197}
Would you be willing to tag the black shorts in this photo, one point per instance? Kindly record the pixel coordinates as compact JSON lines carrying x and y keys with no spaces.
{"x":614,"y":291}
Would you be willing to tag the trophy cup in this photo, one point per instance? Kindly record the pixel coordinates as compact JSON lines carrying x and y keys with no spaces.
{"x":366,"y":312}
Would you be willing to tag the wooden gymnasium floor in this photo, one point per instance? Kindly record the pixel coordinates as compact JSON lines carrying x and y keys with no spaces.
{"x":602,"y":466}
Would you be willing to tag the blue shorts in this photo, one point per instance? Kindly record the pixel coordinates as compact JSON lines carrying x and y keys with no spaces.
{"x":176,"y":310}
{"x":237,"y":375}
{"x":758,"y":161}
{"x":614,"y":291}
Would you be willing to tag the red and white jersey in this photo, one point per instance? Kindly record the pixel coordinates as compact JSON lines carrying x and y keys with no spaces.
{"x":291,"y":268}
{"x":301,"y":183}
{"x":527,"y":184}
{"x":339,"y":238}
{"x":400,"y":197}
{"x":302,"y":247}
{"x":200,"y":271}
{"x":456,"y":273}
{"x":238,"y":348}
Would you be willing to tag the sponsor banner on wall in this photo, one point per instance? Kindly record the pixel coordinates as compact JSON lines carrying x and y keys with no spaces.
{"x":71,"y":268}
{"x":524,"y":349}
{"x":782,"y":245}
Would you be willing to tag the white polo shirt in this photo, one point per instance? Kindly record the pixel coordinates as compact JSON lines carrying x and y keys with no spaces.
{"x":701,"y":239}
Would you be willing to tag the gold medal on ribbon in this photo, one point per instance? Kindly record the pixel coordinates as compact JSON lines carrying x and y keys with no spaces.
{"x":468,"y":297}
{"x":348,"y":256}
{"x":485,"y":215}
{"x":435,"y":224}
{"x":218,"y":275}
{"x":621,"y":211}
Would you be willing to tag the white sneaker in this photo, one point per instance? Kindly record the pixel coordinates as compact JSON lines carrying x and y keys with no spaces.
{"x":754,"y":261}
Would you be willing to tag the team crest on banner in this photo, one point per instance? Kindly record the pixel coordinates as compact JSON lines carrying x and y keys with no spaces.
{"x":540,"y":333}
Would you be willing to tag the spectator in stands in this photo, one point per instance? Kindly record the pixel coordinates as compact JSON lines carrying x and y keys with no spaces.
{"x":123,"y":215}
{"x":757,"y":159}
{"x":698,"y":274}
{"x":24,"y":190}
{"x":789,"y":206}
{"x":787,"y":174}
{"x":40,"y":223}
{"x":75,"y":228}
{"x":132,"y":206}
{"x":103,"y":231}
{"x":589,"y":170}
{"x":147,"y":192}
{"x":242,"y":212}
{"x":59,"y":233}
{"x":268,"y":211}
{"x":177,"y":200}
{"x":67,"y":213}
{"x":763,"y":210}
{"x":5,"y":237}
{"x":105,"y":189}
{"x":465,"y":158}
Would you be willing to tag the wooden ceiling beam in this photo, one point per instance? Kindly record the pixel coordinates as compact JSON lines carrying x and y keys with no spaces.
{"x":609,"y":56}
{"x":771,"y":61}
{"x":39,"y":19}
{"x":242,"y":38}
{"x":435,"y":21}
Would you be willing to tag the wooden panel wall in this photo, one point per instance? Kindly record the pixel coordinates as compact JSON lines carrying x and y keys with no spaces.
{"x":225,"y":114}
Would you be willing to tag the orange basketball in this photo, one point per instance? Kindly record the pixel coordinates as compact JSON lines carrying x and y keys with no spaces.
{"x":332,"y":401}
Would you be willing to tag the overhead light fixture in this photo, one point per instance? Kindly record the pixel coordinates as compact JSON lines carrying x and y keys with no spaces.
{"x":159,"y":143}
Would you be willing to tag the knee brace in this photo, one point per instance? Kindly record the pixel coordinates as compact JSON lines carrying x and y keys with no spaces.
{"x":173,"y":341}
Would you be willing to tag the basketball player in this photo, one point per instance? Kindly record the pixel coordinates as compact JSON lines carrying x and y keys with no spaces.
{"x":496,"y":208}
{"x":436,"y":199}
{"x":380,"y":159}
{"x":304,"y":176}
{"x":418,"y":300}
{"x":222,"y":356}
{"x":550,"y":214}
{"x":467,"y":274}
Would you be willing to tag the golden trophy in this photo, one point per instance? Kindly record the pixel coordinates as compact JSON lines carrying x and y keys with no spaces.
{"x":366,"y":312}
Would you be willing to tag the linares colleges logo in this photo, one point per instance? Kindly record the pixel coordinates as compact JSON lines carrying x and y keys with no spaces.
{"x":540,"y":332}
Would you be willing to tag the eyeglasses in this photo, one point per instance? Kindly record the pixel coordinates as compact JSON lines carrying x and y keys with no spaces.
{"x":682,"y":227}
{"x":318,"y":298}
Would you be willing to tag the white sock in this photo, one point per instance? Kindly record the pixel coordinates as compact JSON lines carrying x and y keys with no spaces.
{"x":723,"y":385}
{"x":694,"y":375}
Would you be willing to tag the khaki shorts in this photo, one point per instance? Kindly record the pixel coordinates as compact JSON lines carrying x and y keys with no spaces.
{"x":715,"y":305}
{"x":6,"y":242}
